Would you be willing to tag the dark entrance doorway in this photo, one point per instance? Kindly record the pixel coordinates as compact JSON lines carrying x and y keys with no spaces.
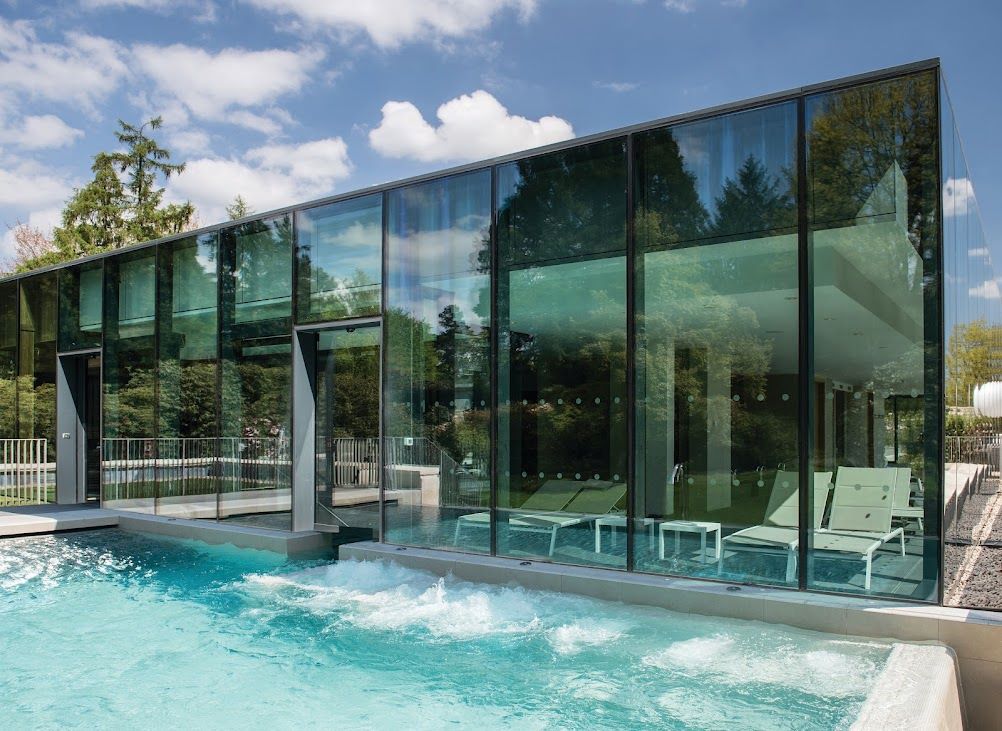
{"x":78,"y":397}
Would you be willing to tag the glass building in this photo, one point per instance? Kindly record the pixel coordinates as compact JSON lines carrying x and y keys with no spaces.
{"x":712,"y":346}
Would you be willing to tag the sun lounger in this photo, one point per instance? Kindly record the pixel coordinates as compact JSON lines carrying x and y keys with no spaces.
{"x":778,"y":531}
{"x":861,"y":515}
{"x":902,"y":508}
{"x":592,"y":502}
{"x":551,"y":496}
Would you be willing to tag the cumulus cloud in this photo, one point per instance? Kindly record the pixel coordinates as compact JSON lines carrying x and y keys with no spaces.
{"x":225,"y":86}
{"x":266,"y":177}
{"x":979,"y":253}
{"x":41,"y":132}
{"x":390,"y":23}
{"x":687,"y":6}
{"x":27,"y":185}
{"x":472,"y":126}
{"x":988,"y":290}
{"x":81,"y":72}
{"x":958,"y":196}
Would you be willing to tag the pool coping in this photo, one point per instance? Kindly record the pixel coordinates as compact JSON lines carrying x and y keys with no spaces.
{"x":974,"y":635}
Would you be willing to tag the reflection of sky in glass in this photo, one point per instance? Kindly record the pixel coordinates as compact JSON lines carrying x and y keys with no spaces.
{"x":342,"y":239}
{"x":714,"y":150}
{"x":438,"y":234}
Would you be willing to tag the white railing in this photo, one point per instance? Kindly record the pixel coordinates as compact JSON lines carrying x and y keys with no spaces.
{"x":138,"y":469}
{"x":24,"y":471}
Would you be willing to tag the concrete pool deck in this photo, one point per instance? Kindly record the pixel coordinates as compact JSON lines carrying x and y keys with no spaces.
{"x":43,"y":519}
{"x":974,"y":636}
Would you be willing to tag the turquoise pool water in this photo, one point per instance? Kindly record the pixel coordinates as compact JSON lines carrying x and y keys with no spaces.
{"x":114,"y":630}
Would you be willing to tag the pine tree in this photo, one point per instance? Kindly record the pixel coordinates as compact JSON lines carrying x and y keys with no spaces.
{"x":754,"y":201}
{"x":94,"y":218}
{"x":142,"y":161}
{"x":239,"y":208}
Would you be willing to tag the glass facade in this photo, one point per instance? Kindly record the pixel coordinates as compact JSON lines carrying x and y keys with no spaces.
{"x":36,"y":373}
{"x":8,"y":360}
{"x":256,"y":371}
{"x":973,"y":340}
{"x":717,"y":348}
{"x":737,"y":346}
{"x":562,"y":385}
{"x":339,"y":260}
{"x":873,"y":215}
{"x":437,"y":378}
{"x":81,"y":292}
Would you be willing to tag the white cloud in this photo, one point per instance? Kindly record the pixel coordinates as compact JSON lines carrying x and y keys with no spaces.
{"x":617,"y":86}
{"x":687,"y":6}
{"x":81,"y":72}
{"x":988,"y":290}
{"x":472,"y":126}
{"x":224,"y":86}
{"x":200,"y":11}
{"x":958,"y":196}
{"x":26,"y":185}
{"x":40,"y":132}
{"x":189,"y":142}
{"x":390,"y":23}
{"x":267,"y":177}
{"x":980,"y":253}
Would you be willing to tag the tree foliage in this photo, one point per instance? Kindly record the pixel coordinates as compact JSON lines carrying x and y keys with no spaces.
{"x":122,"y":204}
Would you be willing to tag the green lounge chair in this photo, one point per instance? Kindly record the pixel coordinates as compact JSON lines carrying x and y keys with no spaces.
{"x":551,"y":496}
{"x":778,"y":531}
{"x":593,"y":501}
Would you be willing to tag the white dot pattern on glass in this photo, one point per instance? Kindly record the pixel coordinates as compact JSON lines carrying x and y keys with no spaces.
{"x":525,"y":474}
{"x":577,"y":475}
{"x":786,"y":483}
{"x":785,"y":397}
{"x":760,"y":483}
{"x":690,"y":398}
{"x":857,"y":395}
{"x":690,"y":481}
{"x":595,"y":476}
{"x":577,"y":400}
{"x":736,"y":397}
{"x":542,"y":475}
{"x":760,"y":397}
{"x":616,"y":476}
{"x":598,"y":400}
{"x":560,"y":401}
{"x":737,"y":482}
{"x":560,"y":475}
{"x":616,"y":400}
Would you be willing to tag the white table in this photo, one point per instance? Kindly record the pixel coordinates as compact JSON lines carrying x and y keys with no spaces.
{"x":678,"y":527}
{"x":612,"y":522}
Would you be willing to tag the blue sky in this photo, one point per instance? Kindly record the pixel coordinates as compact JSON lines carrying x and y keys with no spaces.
{"x":289,"y":100}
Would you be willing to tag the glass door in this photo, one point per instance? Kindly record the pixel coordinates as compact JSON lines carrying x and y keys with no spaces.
{"x":92,"y":427}
{"x":347,"y":427}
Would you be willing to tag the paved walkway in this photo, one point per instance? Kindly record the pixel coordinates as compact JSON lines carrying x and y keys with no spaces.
{"x":35,"y":519}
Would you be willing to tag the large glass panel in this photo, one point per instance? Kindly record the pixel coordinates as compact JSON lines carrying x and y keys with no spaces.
{"x":129,"y":381}
{"x":974,"y":338}
{"x":80,"y":296}
{"x":347,"y":429}
{"x":339,"y":259}
{"x":437,"y":449}
{"x":717,"y":349}
{"x":187,"y":343}
{"x":8,"y":360}
{"x":562,"y":394}
{"x":36,"y":392}
{"x":256,"y":352}
{"x":873,"y":188}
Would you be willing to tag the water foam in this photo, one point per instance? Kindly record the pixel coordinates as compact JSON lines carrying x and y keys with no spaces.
{"x":770,"y":659}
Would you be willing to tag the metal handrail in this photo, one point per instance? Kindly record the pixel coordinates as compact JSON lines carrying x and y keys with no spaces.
{"x":24,"y":471}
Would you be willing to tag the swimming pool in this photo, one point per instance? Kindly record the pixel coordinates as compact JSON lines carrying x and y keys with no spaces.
{"x":116,"y":629}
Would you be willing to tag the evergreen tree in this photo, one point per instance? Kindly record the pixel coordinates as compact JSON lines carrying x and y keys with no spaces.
{"x":754,"y":201}
{"x":239,"y":208}
{"x":142,"y":161}
{"x":94,"y":218}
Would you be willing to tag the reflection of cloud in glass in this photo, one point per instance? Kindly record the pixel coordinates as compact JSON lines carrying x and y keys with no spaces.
{"x":958,"y":196}
{"x":989,"y":290}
